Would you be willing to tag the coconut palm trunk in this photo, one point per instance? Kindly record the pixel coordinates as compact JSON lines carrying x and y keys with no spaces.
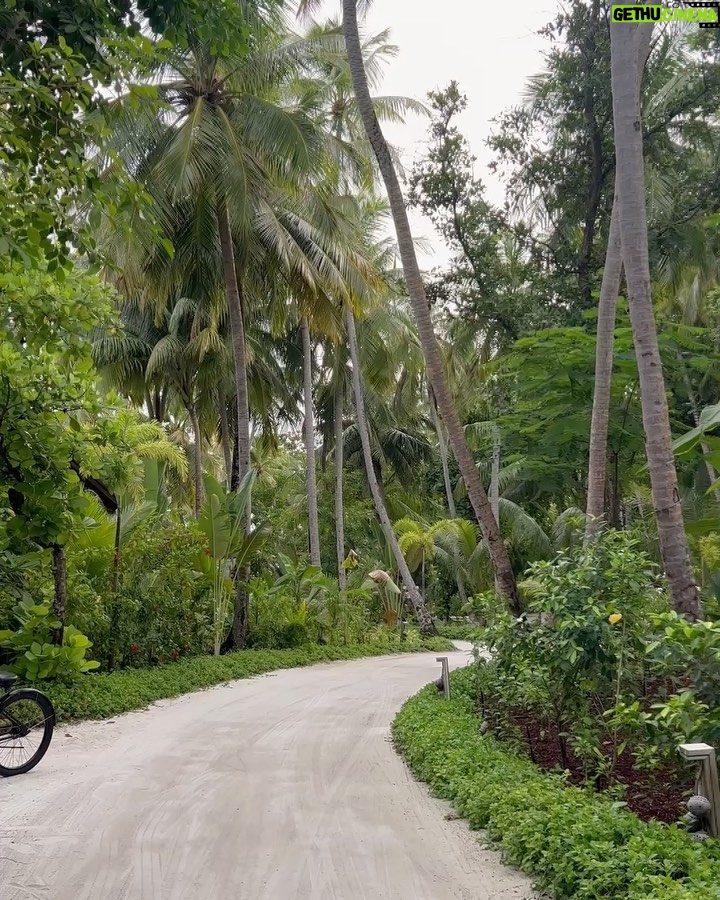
{"x":197,"y":459}
{"x":225,"y":438}
{"x":424,"y":619}
{"x":309,"y":431}
{"x":338,"y":411}
{"x":607,"y":307}
{"x":504,"y":578}
{"x":238,"y":637}
{"x":237,"y":331}
{"x":495,"y":475}
{"x":626,"y":39}
{"x":444,"y":458}
{"x":445,"y":463}
{"x":600,"y":424}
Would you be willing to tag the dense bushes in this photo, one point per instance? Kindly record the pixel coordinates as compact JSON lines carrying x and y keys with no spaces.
{"x":577,"y":844}
{"x":600,"y":677}
{"x":108,"y":694}
{"x":459,"y":631}
{"x":152,"y":602}
{"x":162,"y":607}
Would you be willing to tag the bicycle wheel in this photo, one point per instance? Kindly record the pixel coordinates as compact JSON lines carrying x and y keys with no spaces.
{"x":27,"y":719}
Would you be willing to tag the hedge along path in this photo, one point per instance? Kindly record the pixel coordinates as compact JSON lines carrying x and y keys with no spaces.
{"x":576,"y":844}
{"x":100,"y":696}
{"x":263,"y":789}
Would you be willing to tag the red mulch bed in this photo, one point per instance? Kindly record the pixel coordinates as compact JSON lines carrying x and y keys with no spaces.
{"x":657,"y":795}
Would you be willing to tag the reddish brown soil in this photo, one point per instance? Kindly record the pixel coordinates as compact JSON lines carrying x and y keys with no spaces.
{"x":656,"y":795}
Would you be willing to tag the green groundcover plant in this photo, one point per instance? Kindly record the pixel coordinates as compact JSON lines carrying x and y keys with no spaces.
{"x":574,"y":843}
{"x":100,"y":696}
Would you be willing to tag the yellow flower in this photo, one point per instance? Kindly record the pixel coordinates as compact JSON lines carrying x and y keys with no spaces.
{"x":615,"y":618}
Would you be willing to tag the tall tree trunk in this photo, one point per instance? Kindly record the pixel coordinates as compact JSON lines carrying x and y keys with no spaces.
{"x":594,"y":135}
{"x":235,"y":465}
{"x":225,"y":438}
{"x":338,"y":409}
{"x":609,"y":290}
{"x":495,"y":475}
{"x":599,"y":427}
{"x":309,"y":430}
{"x":59,"y":569}
{"x":197,"y":459}
{"x":625,"y":41}
{"x":504,"y":578}
{"x":377,"y":471}
{"x":422,"y":615}
{"x":444,"y":458}
{"x":452,"y":509}
{"x":242,"y":431}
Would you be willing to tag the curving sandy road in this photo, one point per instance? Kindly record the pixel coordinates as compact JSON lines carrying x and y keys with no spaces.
{"x":277,"y":788}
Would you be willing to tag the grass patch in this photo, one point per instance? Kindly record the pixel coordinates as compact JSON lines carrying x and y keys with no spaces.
{"x":574,"y":843}
{"x":103,"y":695}
{"x":457,"y":631}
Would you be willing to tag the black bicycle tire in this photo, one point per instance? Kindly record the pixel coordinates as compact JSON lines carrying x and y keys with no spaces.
{"x":49,"y":715}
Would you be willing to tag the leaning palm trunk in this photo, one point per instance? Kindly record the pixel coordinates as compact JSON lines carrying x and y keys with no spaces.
{"x":609,"y":290}
{"x":504,"y":578}
{"x":625,"y":41}
{"x":422,"y":615}
{"x":452,"y":509}
{"x":444,"y":459}
{"x":242,"y":432}
{"x":339,"y":400}
{"x":309,"y":431}
{"x":495,"y":475}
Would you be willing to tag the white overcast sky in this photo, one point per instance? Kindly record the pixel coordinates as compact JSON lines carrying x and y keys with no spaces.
{"x":491,"y":58}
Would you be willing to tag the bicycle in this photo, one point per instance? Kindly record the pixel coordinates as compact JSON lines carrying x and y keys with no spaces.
{"x":27,"y":720}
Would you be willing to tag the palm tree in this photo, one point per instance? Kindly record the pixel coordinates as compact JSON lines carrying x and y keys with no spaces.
{"x":422,"y":615}
{"x":627,"y":46}
{"x":348,"y":144}
{"x":338,"y":412}
{"x":309,"y":433}
{"x":600,"y":423}
{"x":505,"y":579}
{"x":165,"y":358}
{"x":123,"y":443}
{"x":335,"y":354}
{"x":394,"y":387}
{"x":234,"y":173}
{"x":609,"y":290}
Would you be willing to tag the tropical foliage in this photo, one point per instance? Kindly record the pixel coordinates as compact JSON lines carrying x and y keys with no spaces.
{"x":228,"y":420}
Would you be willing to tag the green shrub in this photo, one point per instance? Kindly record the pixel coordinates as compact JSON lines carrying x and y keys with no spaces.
{"x":459,"y":631}
{"x":578,"y":654}
{"x":34,"y":656}
{"x":576,"y":844}
{"x":684,"y":658}
{"x":301,"y":606}
{"x":102,"y":695}
{"x":163,"y":607}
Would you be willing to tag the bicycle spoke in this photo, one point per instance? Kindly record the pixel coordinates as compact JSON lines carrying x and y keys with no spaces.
{"x":23,"y":727}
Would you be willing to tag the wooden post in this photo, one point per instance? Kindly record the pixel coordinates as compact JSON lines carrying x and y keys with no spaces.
{"x":706,"y":784}
{"x":444,"y":681}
